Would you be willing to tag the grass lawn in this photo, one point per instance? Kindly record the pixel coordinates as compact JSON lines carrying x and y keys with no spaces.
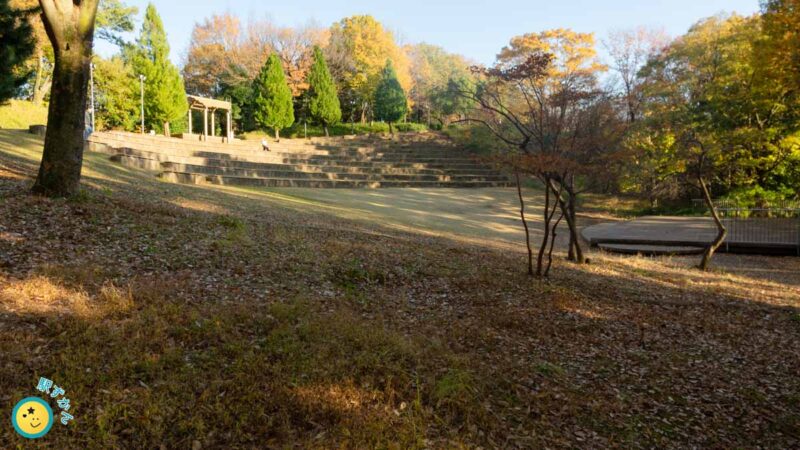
{"x":198,"y":317}
{"x":19,"y":115}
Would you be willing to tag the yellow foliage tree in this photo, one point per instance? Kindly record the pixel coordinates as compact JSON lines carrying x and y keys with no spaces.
{"x":368,"y":45}
{"x":574,"y":54}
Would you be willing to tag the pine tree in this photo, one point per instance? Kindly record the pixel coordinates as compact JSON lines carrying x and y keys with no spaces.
{"x":390,"y":99}
{"x":16,"y":45}
{"x":323,"y":99}
{"x":273,"y":98}
{"x":164,"y":93}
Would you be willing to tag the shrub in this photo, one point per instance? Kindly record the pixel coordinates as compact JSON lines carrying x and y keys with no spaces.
{"x":297,"y":130}
{"x":757,"y":196}
{"x":474,"y":138}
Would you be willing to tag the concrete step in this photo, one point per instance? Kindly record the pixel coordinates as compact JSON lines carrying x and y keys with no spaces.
{"x":225,"y":151}
{"x":324,"y":165}
{"x":192,"y":178}
{"x":651,"y":250}
{"x":290,"y":172}
{"x":421,"y":161}
{"x":291,"y":145}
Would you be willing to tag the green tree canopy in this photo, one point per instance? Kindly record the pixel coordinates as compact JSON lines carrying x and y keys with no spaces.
{"x":164,"y":93}
{"x":117,"y":94}
{"x":390,"y":98}
{"x":323,"y":99}
{"x":16,"y":45}
{"x":273,"y":98}
{"x":432,"y":70}
{"x":114,"y":18}
{"x":725,"y":106}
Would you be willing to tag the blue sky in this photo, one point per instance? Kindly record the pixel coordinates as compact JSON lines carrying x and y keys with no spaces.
{"x":477,"y":29}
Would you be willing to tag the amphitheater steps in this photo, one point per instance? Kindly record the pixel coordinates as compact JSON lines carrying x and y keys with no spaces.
{"x":409,"y":161}
{"x":152,"y":160}
{"x":114,"y":146}
{"x":193,"y":178}
{"x":283,"y":173}
{"x":158,"y":162}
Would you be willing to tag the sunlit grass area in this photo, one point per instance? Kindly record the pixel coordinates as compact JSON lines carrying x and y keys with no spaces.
{"x":20,"y":114}
{"x":199,"y":317}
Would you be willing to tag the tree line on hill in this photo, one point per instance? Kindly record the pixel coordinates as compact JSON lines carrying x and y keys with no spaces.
{"x":712,"y":113}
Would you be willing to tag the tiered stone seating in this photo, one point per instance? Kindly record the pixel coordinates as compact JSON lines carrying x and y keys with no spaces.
{"x":409,"y":160}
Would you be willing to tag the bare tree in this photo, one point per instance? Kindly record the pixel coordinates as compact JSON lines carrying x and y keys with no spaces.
{"x":555,"y":121}
{"x":630,"y":50}
{"x":544,"y":132}
{"x":294,"y":46}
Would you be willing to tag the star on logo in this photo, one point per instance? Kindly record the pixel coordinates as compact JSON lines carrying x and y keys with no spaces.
{"x":31,"y":410}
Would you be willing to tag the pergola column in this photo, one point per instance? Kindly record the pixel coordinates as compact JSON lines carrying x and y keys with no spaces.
{"x":230,"y":127}
{"x":209,"y":105}
{"x":205,"y":123}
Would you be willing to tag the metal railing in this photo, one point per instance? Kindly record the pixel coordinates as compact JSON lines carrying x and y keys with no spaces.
{"x":773,"y":224}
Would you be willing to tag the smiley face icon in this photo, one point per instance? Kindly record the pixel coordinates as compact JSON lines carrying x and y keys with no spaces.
{"x":32,"y":418}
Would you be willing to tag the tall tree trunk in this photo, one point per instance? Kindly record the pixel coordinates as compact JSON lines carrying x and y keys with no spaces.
{"x":70,"y":27}
{"x":60,"y":170}
{"x":568,"y":208}
{"x":574,"y":236}
{"x":38,"y":94}
{"x":325,"y":127}
{"x":167,"y":131}
{"x":277,"y":134}
{"x":391,"y":129}
{"x":524,"y":223}
{"x":722,"y":232}
{"x":575,"y":251}
{"x":546,"y":237}
{"x":554,"y":236}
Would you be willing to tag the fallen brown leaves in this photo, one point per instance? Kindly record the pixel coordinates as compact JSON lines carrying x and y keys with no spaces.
{"x":170,"y":309}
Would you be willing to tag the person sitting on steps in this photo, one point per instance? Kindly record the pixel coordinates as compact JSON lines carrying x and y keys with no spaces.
{"x":264,"y":145}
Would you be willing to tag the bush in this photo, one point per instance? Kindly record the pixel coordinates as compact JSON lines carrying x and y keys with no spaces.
{"x":297,"y":131}
{"x":756,"y":196}
{"x":474,"y":138}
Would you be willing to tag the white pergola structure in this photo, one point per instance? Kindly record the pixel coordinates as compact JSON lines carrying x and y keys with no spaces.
{"x":211,"y":105}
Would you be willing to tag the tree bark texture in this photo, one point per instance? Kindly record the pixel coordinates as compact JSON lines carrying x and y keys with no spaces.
{"x":70,"y":27}
{"x":524,"y":223}
{"x":722,"y":232}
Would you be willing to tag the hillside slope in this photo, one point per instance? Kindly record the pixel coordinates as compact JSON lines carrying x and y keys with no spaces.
{"x":182,"y":316}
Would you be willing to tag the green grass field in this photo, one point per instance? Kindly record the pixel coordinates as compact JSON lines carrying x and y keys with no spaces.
{"x":182,"y":316}
{"x":19,"y":115}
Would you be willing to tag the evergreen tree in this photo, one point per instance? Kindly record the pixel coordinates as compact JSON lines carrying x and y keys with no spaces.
{"x":323,"y":100}
{"x":164,"y":93}
{"x":390,"y":99}
{"x":113,"y":19}
{"x":16,"y":45}
{"x":273,"y":99}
